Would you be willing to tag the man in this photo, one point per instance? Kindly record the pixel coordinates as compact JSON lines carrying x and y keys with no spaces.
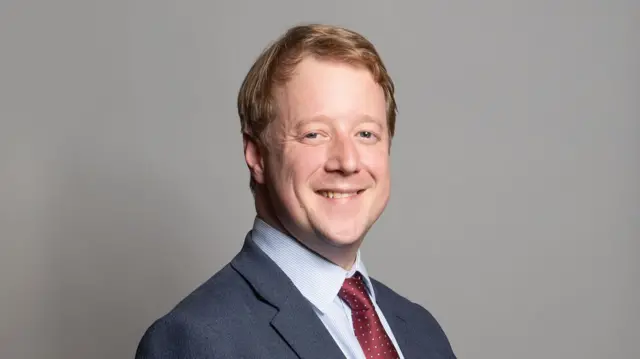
{"x":317,"y":111}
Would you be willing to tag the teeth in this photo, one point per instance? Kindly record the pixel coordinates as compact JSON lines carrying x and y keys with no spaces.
{"x":338,"y":194}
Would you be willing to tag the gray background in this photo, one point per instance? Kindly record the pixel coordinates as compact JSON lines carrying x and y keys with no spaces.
{"x":515,"y":212}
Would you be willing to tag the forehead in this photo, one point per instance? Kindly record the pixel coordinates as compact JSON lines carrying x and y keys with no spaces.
{"x":330,"y":89}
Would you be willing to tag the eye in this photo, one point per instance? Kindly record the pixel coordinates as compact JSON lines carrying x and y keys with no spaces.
{"x":366,"y":134}
{"x":311,"y":135}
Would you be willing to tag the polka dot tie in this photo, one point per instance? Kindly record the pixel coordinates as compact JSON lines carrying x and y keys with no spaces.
{"x":367,"y":326}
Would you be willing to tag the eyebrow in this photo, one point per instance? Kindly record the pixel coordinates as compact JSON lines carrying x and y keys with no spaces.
{"x":325,"y":119}
{"x":369,"y":119}
{"x":308,"y":120}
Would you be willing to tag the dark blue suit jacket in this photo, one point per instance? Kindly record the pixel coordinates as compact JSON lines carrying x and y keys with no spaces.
{"x":250,"y":309}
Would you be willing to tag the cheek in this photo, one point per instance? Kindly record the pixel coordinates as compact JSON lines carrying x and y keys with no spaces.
{"x":299,"y":165}
{"x":377,"y":163}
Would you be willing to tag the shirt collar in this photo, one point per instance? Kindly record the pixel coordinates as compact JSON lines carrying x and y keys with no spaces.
{"x":315,"y":277}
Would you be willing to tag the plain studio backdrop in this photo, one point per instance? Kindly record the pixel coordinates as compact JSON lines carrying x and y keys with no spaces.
{"x":515,"y":211}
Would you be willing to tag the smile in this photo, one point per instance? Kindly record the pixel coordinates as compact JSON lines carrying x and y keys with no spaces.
{"x":335,"y":194}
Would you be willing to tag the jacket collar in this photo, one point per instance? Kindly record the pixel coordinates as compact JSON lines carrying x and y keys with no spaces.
{"x":295,"y":319}
{"x":407,"y":323}
{"x":301,"y":328}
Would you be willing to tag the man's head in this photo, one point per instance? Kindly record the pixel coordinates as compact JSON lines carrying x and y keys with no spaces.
{"x":318,"y":113}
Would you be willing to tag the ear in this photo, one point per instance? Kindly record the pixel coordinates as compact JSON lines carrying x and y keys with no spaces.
{"x":254,"y":157}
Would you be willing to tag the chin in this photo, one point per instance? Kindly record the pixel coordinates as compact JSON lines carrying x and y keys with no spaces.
{"x":342,"y":234}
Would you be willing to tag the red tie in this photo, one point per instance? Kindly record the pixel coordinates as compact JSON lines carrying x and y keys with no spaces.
{"x":368,"y":329}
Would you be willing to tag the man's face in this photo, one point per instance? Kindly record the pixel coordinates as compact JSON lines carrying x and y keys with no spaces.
{"x":327,"y":168}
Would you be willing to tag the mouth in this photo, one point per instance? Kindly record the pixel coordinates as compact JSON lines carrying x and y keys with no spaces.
{"x":337,"y":194}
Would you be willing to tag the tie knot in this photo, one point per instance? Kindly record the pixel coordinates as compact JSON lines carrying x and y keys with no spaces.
{"x":354,"y":293}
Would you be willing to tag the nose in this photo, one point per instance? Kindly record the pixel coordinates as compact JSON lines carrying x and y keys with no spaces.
{"x":343,"y":156}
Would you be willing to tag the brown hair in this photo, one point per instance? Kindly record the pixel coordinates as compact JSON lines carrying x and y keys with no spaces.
{"x":275,"y":65}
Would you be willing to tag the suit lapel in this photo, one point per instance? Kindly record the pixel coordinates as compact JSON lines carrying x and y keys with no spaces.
{"x":399,"y":327}
{"x":413,"y":345}
{"x":295,"y":320}
{"x":304,"y":331}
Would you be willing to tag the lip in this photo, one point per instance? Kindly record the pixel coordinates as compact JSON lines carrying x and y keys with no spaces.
{"x":340,"y":190}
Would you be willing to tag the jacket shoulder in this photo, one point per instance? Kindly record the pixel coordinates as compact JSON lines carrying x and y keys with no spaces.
{"x":202,"y":324}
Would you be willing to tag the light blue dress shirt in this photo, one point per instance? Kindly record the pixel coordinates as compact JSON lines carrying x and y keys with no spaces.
{"x":319,"y":281}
